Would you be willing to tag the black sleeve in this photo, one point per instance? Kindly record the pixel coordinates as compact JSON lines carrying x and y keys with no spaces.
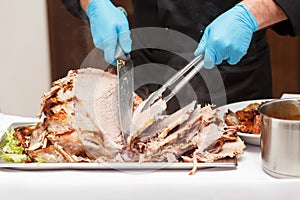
{"x":291,"y":26}
{"x":74,"y":7}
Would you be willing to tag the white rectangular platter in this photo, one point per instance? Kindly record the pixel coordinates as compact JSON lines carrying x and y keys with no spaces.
{"x":13,"y":122}
{"x":228,"y":163}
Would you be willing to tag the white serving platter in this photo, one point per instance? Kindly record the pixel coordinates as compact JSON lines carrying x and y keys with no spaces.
{"x":228,"y":163}
{"x":14,"y":122}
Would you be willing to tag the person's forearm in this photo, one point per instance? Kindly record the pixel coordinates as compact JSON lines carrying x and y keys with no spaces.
{"x":84,"y":4}
{"x":266,"y":12}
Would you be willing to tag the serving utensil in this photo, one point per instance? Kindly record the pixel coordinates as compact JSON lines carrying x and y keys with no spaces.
{"x":125,"y":74}
{"x":197,"y":64}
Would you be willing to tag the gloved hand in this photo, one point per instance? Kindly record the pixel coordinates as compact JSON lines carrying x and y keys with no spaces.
{"x":228,"y":37}
{"x":109,"y":25}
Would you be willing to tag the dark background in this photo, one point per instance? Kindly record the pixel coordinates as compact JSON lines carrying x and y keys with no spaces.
{"x":70,"y":43}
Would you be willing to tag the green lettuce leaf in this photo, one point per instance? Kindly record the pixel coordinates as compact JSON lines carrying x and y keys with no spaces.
{"x":16,"y":158}
{"x":12,"y":152}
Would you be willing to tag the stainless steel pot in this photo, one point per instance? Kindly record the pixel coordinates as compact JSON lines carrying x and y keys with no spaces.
{"x":280,"y":137}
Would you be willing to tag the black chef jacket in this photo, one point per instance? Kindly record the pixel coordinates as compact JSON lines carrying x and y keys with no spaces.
{"x":249,"y":79}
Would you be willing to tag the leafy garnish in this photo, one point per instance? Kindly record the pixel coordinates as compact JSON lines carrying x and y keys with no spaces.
{"x":39,"y":160}
{"x":12,"y":151}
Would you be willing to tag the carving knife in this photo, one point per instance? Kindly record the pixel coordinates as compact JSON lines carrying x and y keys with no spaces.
{"x":125,"y":74}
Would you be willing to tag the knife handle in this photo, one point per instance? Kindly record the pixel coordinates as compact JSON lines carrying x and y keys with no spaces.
{"x":120,"y":55}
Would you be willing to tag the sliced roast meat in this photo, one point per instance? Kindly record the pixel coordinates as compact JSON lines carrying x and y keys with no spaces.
{"x":96,"y":98}
{"x":49,"y":154}
{"x":176,"y":119}
{"x":199,"y":136}
{"x":70,"y":142}
{"x":163,"y":126}
{"x":81,"y":115}
{"x":81,"y":124}
{"x":208,"y":135}
{"x":37,"y":138}
{"x":143,"y":119}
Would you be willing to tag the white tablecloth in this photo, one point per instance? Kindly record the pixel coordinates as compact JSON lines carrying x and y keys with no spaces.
{"x":247,"y":182}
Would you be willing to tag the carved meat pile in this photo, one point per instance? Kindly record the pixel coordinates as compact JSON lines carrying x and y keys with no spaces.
{"x":81,"y":124}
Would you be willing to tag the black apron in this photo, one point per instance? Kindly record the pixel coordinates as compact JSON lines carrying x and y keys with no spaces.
{"x":249,"y":79}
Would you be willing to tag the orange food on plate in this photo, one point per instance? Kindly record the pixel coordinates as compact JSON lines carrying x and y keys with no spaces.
{"x":247,"y":119}
{"x":256,"y":125}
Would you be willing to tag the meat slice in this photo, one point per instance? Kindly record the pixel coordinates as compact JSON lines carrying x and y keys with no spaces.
{"x":230,"y":149}
{"x":96,"y":113}
{"x":208,"y":135}
{"x":163,"y":126}
{"x":231,"y":119}
{"x":96,"y":99}
{"x":50,"y":155}
{"x":176,"y":119}
{"x":37,"y":138}
{"x":70,"y":142}
{"x":143,"y":119}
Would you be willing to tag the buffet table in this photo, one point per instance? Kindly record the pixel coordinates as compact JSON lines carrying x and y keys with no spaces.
{"x":247,"y":181}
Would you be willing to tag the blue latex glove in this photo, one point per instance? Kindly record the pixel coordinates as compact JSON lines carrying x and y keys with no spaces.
{"x":109,"y":26}
{"x":228,"y":37}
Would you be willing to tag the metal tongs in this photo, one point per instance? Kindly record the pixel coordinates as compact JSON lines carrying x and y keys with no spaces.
{"x":197,"y":64}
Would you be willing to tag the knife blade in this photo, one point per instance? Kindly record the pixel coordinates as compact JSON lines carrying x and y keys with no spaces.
{"x":125,"y":74}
